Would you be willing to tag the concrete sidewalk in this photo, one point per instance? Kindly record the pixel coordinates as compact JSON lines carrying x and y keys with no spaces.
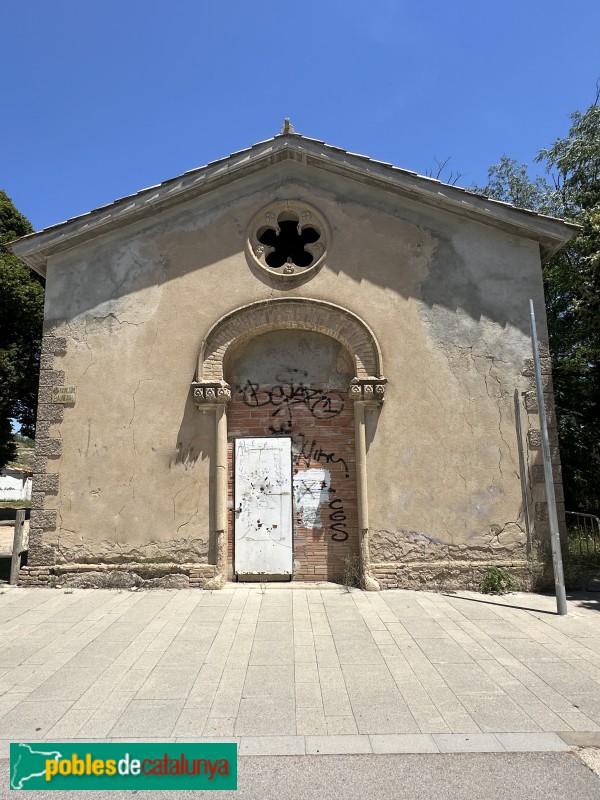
{"x":295,"y":670}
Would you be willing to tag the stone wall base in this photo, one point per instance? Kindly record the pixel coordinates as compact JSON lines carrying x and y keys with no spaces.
{"x":457,"y":575}
{"x":119,"y":576}
{"x":435,"y":576}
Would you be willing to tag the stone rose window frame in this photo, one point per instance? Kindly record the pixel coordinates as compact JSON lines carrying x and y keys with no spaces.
{"x":287,"y":240}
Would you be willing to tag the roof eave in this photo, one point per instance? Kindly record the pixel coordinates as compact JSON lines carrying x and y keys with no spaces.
{"x":35,"y":248}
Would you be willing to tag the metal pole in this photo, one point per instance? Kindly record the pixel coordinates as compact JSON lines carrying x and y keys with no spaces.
{"x":559,"y":579}
{"x":15,"y":562}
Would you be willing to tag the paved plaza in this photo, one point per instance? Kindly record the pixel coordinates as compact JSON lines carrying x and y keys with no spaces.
{"x":300,"y":670}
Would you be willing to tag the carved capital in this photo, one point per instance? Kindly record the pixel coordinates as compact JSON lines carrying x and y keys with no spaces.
{"x":210,"y":393}
{"x":367,"y":389}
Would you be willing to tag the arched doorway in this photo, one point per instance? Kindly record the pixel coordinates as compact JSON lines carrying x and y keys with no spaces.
{"x":292,"y":385}
{"x":297,"y":377}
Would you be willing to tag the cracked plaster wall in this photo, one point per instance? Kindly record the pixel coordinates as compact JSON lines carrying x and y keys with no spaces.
{"x":445,"y":297}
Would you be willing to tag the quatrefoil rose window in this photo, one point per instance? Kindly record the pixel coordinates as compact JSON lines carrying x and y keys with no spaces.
{"x":288,"y":239}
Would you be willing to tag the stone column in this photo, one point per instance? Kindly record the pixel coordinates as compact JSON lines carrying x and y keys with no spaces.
{"x":213,"y":397}
{"x":367,"y":395}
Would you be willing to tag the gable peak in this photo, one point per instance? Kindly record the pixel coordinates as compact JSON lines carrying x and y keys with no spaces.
{"x":287,"y":127}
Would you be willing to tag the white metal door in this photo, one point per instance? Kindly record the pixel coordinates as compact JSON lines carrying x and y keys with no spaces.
{"x":263,"y":506}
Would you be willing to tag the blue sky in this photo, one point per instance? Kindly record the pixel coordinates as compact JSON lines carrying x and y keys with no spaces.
{"x":104,"y":98}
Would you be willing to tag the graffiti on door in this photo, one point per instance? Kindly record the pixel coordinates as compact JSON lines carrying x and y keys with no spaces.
{"x":291,"y":405}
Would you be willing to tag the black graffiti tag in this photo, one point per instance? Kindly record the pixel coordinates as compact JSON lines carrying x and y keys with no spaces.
{"x":338,"y":519}
{"x":283,"y":429}
{"x":307,"y":452}
{"x":322,"y":405}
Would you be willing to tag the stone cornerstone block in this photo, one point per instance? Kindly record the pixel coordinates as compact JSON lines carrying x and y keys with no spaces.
{"x":45,"y":483}
{"x":53,"y":345}
{"x":48,"y":447}
{"x":46,"y":520}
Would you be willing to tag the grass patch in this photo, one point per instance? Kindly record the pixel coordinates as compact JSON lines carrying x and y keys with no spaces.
{"x":351,"y":575}
{"x":497,"y":581}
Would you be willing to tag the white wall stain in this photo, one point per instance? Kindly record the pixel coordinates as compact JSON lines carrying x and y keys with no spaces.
{"x":310,"y":491}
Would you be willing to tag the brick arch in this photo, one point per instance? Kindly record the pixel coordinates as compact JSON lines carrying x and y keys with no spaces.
{"x":248,"y":321}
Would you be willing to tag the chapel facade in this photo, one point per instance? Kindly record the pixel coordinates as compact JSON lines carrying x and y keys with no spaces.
{"x":295,"y":363}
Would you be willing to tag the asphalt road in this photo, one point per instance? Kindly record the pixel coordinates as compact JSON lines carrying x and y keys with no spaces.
{"x":460,"y":776}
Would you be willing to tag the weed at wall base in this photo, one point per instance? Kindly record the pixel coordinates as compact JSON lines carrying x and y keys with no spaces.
{"x":497,"y":581}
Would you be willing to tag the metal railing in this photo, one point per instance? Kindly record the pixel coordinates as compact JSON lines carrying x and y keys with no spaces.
{"x":583,"y":531}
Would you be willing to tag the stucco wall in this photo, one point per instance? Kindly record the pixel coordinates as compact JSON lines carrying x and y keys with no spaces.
{"x":445,"y":297}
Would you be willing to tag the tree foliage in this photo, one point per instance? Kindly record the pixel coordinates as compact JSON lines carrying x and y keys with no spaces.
{"x":572,"y":285}
{"x":21,"y":318}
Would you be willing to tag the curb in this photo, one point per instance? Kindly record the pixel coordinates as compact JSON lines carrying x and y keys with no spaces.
{"x":386,"y":744}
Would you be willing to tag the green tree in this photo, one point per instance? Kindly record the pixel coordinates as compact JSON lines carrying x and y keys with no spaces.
{"x":572,"y":288}
{"x":21,"y":318}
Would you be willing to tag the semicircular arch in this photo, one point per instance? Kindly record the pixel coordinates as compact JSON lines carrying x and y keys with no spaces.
{"x":246,"y":322}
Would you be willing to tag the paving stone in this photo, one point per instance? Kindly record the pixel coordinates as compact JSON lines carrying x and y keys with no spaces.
{"x":392,"y":716}
{"x":210,"y":673}
{"x":306,"y":673}
{"x":580,"y":739}
{"x":526,"y":650}
{"x":273,"y":682}
{"x":377,"y":680}
{"x":305,"y":654}
{"x":534,"y":672}
{"x":427,"y":716}
{"x":460,"y":722}
{"x":303,"y":638}
{"x":260,"y":716}
{"x":531,"y":742}
{"x":326,"y":658}
{"x":331,"y":676}
{"x":471,"y":743}
{"x":495,"y":713}
{"x":66,"y":684}
{"x":340,"y":725}
{"x":500,"y":630}
{"x":147,"y":718}
{"x":579,"y":721}
{"x":272,"y":746}
{"x":226,"y":703}
{"x":101,"y":721}
{"x":70,"y":723}
{"x":338,"y":745}
{"x":219,"y":726}
{"x":336,"y":701}
{"x":271,"y":653}
{"x":365,"y":655}
{"x":167,"y":683}
{"x":273,"y":631}
{"x":310,"y":722}
{"x":233,"y":678}
{"x":423,"y":628}
{"x":403,"y":743}
{"x":31,"y":720}
{"x":444,"y":652}
{"x":467,"y":680}
{"x":10,"y":700}
{"x":191,"y":721}
{"x":133,"y":680}
{"x":99,"y":652}
{"x":308,"y":695}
